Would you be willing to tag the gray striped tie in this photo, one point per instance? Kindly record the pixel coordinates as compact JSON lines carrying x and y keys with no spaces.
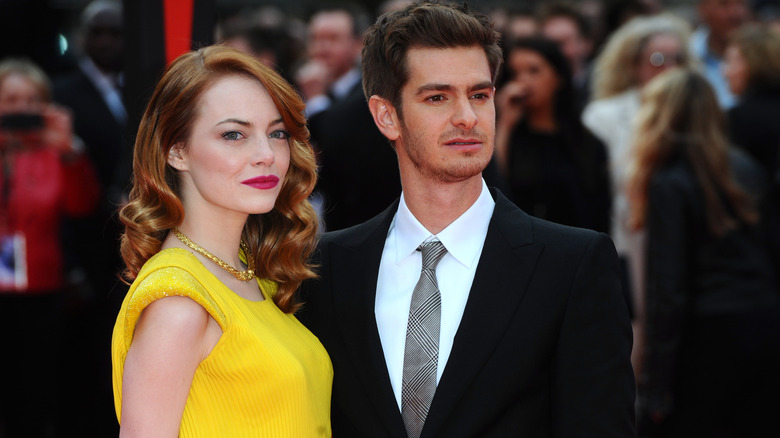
{"x":421,"y":354}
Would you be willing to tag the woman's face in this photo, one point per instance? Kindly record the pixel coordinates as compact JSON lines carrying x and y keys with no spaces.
{"x":661,"y":52}
{"x":236,"y":158}
{"x":18,"y":94}
{"x":537,"y":76}
{"x":735,"y":69}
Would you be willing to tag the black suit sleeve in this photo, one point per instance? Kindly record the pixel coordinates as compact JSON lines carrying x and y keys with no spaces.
{"x":593,"y":383}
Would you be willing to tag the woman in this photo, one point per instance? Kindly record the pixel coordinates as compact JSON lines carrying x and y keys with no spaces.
{"x":44,"y":178}
{"x":752,"y":68}
{"x":217,"y":233}
{"x":555,"y":168}
{"x":712,"y":335}
{"x":639,"y":50}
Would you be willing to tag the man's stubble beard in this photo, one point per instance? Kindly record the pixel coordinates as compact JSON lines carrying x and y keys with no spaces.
{"x":467,"y":166}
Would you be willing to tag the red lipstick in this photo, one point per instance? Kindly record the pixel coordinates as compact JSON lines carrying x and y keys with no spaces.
{"x":262,"y":182}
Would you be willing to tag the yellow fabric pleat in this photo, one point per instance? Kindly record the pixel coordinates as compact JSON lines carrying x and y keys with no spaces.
{"x":268,"y":376}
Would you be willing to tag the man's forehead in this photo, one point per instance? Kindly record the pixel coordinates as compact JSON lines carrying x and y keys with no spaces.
{"x":444,"y":65}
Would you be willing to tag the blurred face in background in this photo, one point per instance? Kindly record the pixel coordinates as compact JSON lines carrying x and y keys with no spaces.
{"x":723,"y":16}
{"x":661,"y":52}
{"x":564,"y":31}
{"x":332,"y":41}
{"x":103,"y":41}
{"x":735,"y":69}
{"x":18,"y":94}
{"x":537,"y":77}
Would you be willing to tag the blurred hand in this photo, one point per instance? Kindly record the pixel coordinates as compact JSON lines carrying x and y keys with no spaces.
{"x":509,"y":102}
{"x":56,"y":133}
{"x":57,"y":129}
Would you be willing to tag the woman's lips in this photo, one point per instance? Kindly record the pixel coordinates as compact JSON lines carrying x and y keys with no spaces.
{"x":262,"y":182}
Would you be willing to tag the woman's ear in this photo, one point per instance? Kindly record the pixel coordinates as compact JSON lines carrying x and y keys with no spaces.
{"x":385,"y":117}
{"x":176,"y":156}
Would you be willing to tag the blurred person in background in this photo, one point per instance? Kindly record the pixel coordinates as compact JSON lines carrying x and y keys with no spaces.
{"x":712,"y":321}
{"x":264,"y":32}
{"x":638,"y":51}
{"x":563,"y":23}
{"x":752,"y":67}
{"x":92,"y":92}
{"x":515,"y":21}
{"x":555,"y":168}
{"x":331,"y":73}
{"x":719,"y":18}
{"x":610,"y":15}
{"x":46,"y":176}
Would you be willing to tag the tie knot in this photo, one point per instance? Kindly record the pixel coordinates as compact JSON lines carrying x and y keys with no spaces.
{"x":432,"y":252}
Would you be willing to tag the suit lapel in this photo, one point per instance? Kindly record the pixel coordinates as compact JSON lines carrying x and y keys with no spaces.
{"x":504,"y":270}
{"x":354,"y":307}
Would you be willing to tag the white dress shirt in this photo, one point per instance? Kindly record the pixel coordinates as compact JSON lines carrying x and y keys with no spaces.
{"x":400,"y":269}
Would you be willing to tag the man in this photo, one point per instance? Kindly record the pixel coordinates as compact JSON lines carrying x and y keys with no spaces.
{"x":564,"y":23}
{"x":708,"y":43}
{"x":521,"y":328}
{"x":333,"y":48}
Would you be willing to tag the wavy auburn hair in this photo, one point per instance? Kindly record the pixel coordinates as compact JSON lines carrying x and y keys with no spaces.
{"x":680,"y":116}
{"x":281,"y":239}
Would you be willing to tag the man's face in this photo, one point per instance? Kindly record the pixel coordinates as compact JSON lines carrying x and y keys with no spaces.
{"x":103,"y":41}
{"x":723,"y":16}
{"x":564,"y":31}
{"x":332,"y":42}
{"x":447,"y":123}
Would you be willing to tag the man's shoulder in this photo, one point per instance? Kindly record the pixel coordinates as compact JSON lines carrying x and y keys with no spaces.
{"x":511,"y":219}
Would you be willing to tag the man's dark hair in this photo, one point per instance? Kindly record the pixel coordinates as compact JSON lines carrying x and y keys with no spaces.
{"x":422,"y":24}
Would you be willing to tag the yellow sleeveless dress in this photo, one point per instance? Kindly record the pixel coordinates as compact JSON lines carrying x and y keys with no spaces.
{"x":267,"y":376}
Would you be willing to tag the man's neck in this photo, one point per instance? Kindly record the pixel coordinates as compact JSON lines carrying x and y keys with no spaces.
{"x":437,"y":205}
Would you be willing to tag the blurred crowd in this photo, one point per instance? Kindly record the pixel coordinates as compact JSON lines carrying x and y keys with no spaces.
{"x":656,"y":123}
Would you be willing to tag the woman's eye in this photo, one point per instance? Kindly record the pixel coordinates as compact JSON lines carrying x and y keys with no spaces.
{"x":280,"y":134}
{"x":232,"y":135}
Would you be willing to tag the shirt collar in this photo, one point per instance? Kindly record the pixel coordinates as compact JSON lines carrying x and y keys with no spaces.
{"x":344,"y":84}
{"x":463,"y":238}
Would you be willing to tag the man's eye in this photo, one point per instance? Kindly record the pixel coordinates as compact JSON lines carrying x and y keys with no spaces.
{"x":481,"y":96}
{"x":232,"y":135}
{"x":436,"y":98}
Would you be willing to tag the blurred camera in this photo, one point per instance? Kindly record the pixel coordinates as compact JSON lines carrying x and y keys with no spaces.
{"x":21,"y":122}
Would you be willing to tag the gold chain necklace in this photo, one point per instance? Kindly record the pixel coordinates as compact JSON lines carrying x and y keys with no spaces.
{"x":241,"y":275}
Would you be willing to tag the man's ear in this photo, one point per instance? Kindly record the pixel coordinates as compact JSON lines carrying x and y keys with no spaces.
{"x":385,"y":117}
{"x":176,"y":156}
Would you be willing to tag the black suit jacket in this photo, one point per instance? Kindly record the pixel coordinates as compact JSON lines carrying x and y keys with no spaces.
{"x":358,"y":168}
{"x":103,"y":136}
{"x":542,"y":349}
